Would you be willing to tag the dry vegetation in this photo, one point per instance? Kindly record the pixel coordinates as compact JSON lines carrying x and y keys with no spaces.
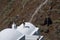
{"x":19,"y":10}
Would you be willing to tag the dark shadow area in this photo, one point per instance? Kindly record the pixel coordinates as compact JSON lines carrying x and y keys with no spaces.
{"x":47,"y":21}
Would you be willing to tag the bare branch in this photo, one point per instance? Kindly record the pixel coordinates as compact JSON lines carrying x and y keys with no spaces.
{"x":37,"y":9}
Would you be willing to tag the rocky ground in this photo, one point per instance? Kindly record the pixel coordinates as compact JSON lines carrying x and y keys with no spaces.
{"x":19,"y":10}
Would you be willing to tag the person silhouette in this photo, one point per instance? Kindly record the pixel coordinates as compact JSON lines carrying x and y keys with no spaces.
{"x":47,"y":21}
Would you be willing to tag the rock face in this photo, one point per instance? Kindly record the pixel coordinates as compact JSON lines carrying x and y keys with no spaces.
{"x":18,"y":10}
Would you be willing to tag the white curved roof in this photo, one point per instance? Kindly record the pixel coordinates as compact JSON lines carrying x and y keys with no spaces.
{"x":27,"y":29}
{"x":10,"y":34}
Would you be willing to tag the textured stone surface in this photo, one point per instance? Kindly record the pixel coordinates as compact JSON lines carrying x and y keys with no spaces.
{"x":13,"y":11}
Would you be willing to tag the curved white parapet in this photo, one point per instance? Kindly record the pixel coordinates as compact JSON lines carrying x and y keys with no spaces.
{"x":10,"y":34}
{"x":30,"y":25}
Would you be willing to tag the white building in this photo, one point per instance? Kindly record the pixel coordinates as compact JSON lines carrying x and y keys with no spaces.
{"x":10,"y":34}
{"x":25,"y":31}
{"x":30,"y":31}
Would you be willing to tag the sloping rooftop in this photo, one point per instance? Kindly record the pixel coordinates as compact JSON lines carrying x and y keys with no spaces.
{"x":10,"y":34}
